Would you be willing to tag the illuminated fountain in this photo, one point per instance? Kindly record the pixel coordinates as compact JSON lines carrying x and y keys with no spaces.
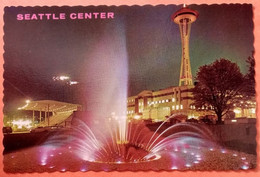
{"x":182,"y":142}
{"x":106,"y":136}
{"x":109,"y":137}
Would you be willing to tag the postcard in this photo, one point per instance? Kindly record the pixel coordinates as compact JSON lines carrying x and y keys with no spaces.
{"x":129,"y":88}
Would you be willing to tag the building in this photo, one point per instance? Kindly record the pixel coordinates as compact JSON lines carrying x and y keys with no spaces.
{"x":158,"y":105}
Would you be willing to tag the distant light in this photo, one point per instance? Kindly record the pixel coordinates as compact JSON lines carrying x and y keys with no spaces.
{"x":223,"y":151}
{"x":237,"y":111}
{"x":83,"y":169}
{"x":27,"y":101}
{"x":137,"y":117}
{"x":119,"y":162}
{"x":245,"y":167}
{"x":73,"y":82}
{"x":43,"y":163}
{"x":188,"y":165}
{"x":64,"y":78}
{"x":233,"y":120}
{"x":20,"y":123}
{"x":184,"y":5}
{"x":174,"y":168}
{"x":253,"y":110}
{"x":63,"y":169}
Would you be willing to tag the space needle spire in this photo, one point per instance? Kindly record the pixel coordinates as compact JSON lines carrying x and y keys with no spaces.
{"x":184,"y":17}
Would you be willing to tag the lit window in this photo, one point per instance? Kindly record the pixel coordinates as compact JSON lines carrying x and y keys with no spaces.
{"x":160,"y":101}
{"x":181,"y":106}
{"x":173,"y":107}
{"x":177,"y":107}
{"x":173,"y":99}
{"x":163,"y":101}
{"x":155,"y":102}
{"x":167,"y":101}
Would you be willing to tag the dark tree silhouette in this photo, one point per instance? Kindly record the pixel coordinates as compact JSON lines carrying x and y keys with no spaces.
{"x":249,"y":89}
{"x":218,"y":86}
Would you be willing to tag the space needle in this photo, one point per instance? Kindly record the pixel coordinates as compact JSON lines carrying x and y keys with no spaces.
{"x":184,"y":17}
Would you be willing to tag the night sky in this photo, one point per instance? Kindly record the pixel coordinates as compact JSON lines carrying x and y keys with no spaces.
{"x":35,"y":51}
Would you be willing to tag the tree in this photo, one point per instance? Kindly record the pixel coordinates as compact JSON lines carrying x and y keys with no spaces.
{"x":218,"y":86}
{"x":249,"y":79}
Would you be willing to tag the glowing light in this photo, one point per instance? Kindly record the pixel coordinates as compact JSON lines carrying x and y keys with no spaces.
{"x":27,"y":103}
{"x":63,"y":169}
{"x":243,"y":158}
{"x":43,"y":163}
{"x":188,"y":165}
{"x":22,"y":123}
{"x":253,"y":110}
{"x":235,"y":155}
{"x":83,"y":169}
{"x":73,"y":82}
{"x":196,"y":162}
{"x":64,"y":78}
{"x":233,"y":120}
{"x":137,"y":117}
{"x":223,"y":151}
{"x":237,"y":111}
{"x":198,"y":156}
{"x":245,"y":167}
{"x":174,"y":168}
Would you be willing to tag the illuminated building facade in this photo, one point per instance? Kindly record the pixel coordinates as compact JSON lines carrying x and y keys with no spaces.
{"x":157,"y":105}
